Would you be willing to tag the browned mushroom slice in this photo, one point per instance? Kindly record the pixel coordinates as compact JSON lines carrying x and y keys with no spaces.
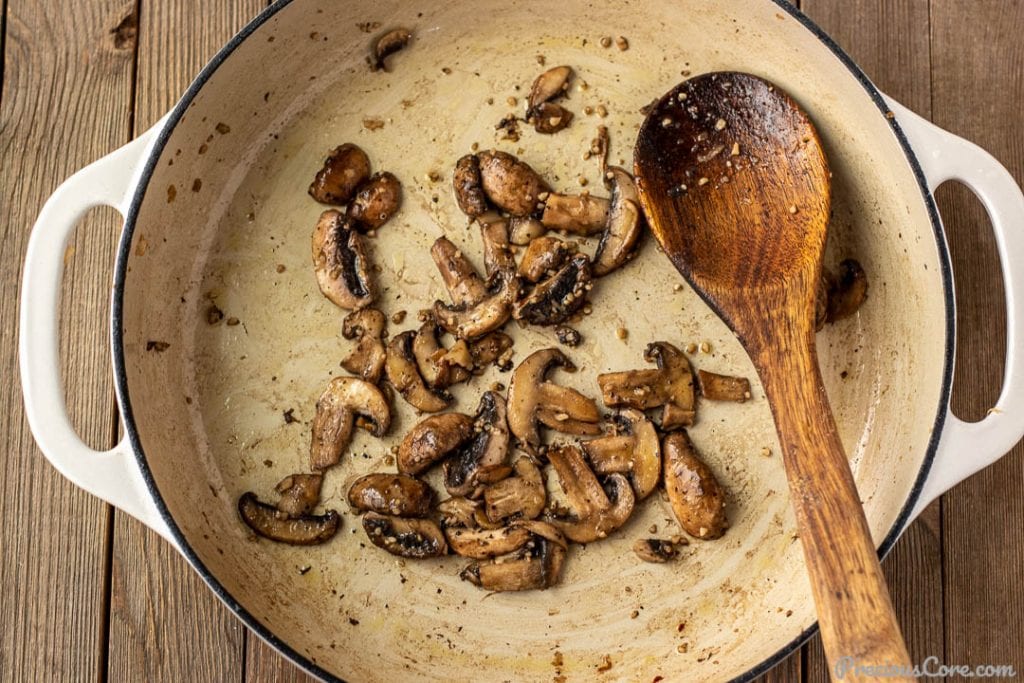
{"x":437,"y":365}
{"x":671,"y":386}
{"x":336,"y":411}
{"x":697,"y":499}
{"x":847,"y":291}
{"x":640,"y":389}
{"x":510,"y":183}
{"x":376,"y":201}
{"x":413,"y":538}
{"x":548,"y":86}
{"x":339,"y":259}
{"x":269,"y":522}
{"x":723,"y":387}
{"x":299,"y":493}
{"x":582,"y":214}
{"x":494,"y":233}
{"x":549,"y":118}
{"x":536,"y":566}
{"x":520,"y":497}
{"x":559,"y":297}
{"x":633,"y":442}
{"x":486,"y":448}
{"x":469,"y":192}
{"x":625,"y":223}
{"x":367,"y":359}
{"x":391,"y":494}
{"x":464,"y":285}
{"x":432,"y":440}
{"x":404,"y":376}
{"x":487,"y":315}
{"x":495,"y":347}
{"x":481,"y":544}
{"x":544,"y":255}
{"x":596,"y":510}
{"x":458,"y":512}
{"x":655,"y":550}
{"x":523,"y":229}
{"x":567,"y":410}
{"x":388,"y":44}
{"x":345,"y":169}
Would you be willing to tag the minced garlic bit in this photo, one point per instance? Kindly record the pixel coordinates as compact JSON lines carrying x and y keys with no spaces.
{"x":666,"y":122}
{"x":511,"y":101}
{"x":433,"y":176}
{"x":681,"y":97}
{"x":606,"y":662}
{"x":703,"y":181}
{"x":735,"y":149}
{"x":622,"y":333}
{"x":691,"y":348}
{"x":677,"y":287}
{"x":622,"y":43}
{"x":705,"y":347}
{"x":793,"y":209}
{"x":606,"y":41}
{"x":588,"y":110}
{"x":653,"y":529}
{"x":766,"y":452}
{"x":582,"y":181}
{"x":475,"y":146}
{"x":397,"y":317}
{"x":541,"y":59}
{"x":720,"y":124}
{"x":634,"y":614}
{"x":602,"y":111}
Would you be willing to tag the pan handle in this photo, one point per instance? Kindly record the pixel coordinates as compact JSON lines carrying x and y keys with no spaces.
{"x":112,"y":475}
{"x":967,"y":447}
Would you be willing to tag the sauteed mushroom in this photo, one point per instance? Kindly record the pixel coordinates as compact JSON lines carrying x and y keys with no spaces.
{"x":438,"y":367}
{"x":431,"y":440}
{"x":582,"y":214}
{"x":367,"y":359}
{"x":567,"y":410}
{"x":631,"y":447}
{"x":494,"y":347}
{"x":548,"y":86}
{"x":388,"y":44}
{"x":486,"y":315}
{"x":412,"y":538}
{"x":723,"y":387}
{"x":458,"y":511}
{"x":538,"y":565}
{"x":698,"y":500}
{"x":269,"y":522}
{"x":336,"y":411}
{"x":520,"y":497}
{"x":549,"y":118}
{"x":596,"y":510}
{"x":376,"y":201}
{"x":481,"y":544}
{"x":486,"y":448}
{"x":522,"y":229}
{"x":544,"y":255}
{"x":559,"y":297}
{"x":494,"y":233}
{"x":469,"y":191}
{"x":346,"y":168}
{"x":624,"y":225}
{"x":404,"y":375}
{"x":670,"y":386}
{"x":655,"y":550}
{"x":299,"y":494}
{"x":510,"y":183}
{"x":339,"y":258}
{"x":460,"y":278}
{"x":391,"y":494}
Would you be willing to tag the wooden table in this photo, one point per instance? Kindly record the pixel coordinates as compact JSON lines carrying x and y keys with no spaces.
{"x":88,"y":593}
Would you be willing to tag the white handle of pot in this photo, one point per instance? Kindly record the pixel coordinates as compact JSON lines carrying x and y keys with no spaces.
{"x":112,"y":475}
{"x":967,"y":447}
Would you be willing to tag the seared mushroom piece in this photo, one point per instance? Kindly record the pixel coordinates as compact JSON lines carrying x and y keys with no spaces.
{"x":532,"y":400}
{"x":388,"y":44}
{"x":494,"y":234}
{"x":655,"y":550}
{"x":582,"y":214}
{"x":597,"y":510}
{"x":723,"y":387}
{"x":671,"y":386}
{"x":549,"y":118}
{"x":558,"y":298}
{"x":523,"y":229}
{"x":339,"y":258}
{"x":269,"y":522}
{"x":346,"y":168}
{"x":367,"y":359}
{"x":568,"y":335}
{"x":631,"y":447}
{"x":550,"y":85}
{"x":520,"y":497}
{"x":486,"y":449}
{"x":625,"y":223}
{"x":376,"y":201}
{"x":458,"y":512}
{"x":488,"y":314}
{"x":495,"y":347}
{"x":460,"y":278}
{"x":698,"y":500}
{"x":413,"y":538}
{"x":343,"y":400}
{"x":544,"y":255}
{"x":847,"y":292}
{"x":510,"y":183}
{"x":404,"y":375}
{"x":391,"y":494}
{"x":432,"y":440}
{"x":536,"y":566}
{"x":437,"y":365}
{"x":469,"y":191}
{"x":481,"y":544}
{"x":299,"y":493}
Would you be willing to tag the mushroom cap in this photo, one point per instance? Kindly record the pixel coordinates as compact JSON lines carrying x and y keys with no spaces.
{"x":391,"y":494}
{"x":336,"y":411}
{"x":431,"y":440}
{"x":524,"y":393}
{"x":487,"y":447}
{"x":340,"y":262}
{"x":404,"y":375}
{"x":269,"y":522}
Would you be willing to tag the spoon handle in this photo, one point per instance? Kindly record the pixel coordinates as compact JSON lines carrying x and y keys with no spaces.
{"x":858,"y":623}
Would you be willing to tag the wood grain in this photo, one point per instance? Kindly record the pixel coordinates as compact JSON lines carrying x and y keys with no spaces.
{"x":978,"y":92}
{"x":65,"y":102}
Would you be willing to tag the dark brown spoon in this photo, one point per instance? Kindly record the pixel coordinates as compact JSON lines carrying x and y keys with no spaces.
{"x":736,"y":188}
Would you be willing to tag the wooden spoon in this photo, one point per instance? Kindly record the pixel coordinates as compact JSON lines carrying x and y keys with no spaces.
{"x":736,"y":188}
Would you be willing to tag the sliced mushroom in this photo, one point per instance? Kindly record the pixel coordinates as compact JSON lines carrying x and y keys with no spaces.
{"x":671,"y":386}
{"x":846,"y":292}
{"x":269,"y":522}
{"x":469,"y":191}
{"x":404,"y":376}
{"x":625,"y":223}
{"x":523,"y":229}
{"x":495,"y":347}
{"x":520,"y":497}
{"x":436,"y":364}
{"x":458,"y":512}
{"x":481,"y":544}
{"x":550,"y":85}
{"x":388,"y":44}
{"x":510,"y":183}
{"x":376,"y":201}
{"x":544,"y":255}
{"x":723,"y":387}
{"x":299,"y":493}
{"x":633,"y":441}
{"x":486,"y":448}
{"x":697,"y":499}
{"x":559,"y":297}
{"x":391,"y":494}
{"x":367,"y":359}
{"x":655,"y":550}
{"x":582,"y":214}
{"x":536,"y":566}
{"x":486,"y":315}
{"x":494,"y":233}
{"x":567,"y":410}
{"x":413,"y":538}
{"x":432,"y":440}
{"x":460,"y":278}
{"x":339,"y":258}
{"x":346,"y":168}
{"x":336,"y":411}
{"x":549,"y":118}
{"x":596,"y":510}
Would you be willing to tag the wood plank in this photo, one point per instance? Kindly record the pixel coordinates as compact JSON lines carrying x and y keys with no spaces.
{"x":263,"y":664}
{"x":889,"y":40}
{"x":65,"y":102}
{"x":165,"y":624}
{"x":978,"y":93}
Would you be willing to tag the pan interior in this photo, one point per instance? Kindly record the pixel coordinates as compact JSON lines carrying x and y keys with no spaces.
{"x":226,"y":221}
